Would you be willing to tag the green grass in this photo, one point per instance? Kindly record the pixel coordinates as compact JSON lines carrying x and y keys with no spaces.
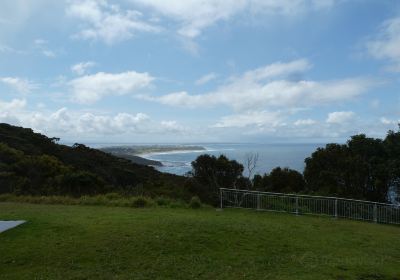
{"x":97,"y":242}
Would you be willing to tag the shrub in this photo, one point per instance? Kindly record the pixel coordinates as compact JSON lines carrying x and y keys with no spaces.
{"x":113,"y":196}
{"x":178,"y":204}
{"x":141,"y":202}
{"x":163,"y":201}
{"x":7,"y":197}
{"x":66,"y":200}
{"x":123,"y":202}
{"x":195,"y":202}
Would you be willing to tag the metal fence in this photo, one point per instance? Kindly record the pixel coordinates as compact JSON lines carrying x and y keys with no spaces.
{"x":314,"y":205}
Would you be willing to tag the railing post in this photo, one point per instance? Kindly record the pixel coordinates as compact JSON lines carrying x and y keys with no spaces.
{"x":336,"y":210}
{"x":258,"y":201}
{"x":220,"y":195}
{"x":375,"y":213}
{"x":297,"y":205}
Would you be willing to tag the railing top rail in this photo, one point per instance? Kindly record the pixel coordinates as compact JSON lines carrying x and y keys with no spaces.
{"x":312,"y":196}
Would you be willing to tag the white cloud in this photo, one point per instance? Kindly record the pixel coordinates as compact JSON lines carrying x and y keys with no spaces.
{"x":278,"y":69}
{"x":80,"y":125}
{"x":49,"y":53}
{"x":206,"y":78}
{"x":85,"y":124}
{"x":195,"y":15}
{"x":120,"y":123}
{"x":40,"y":42}
{"x":10,"y":110}
{"x":13,"y":105}
{"x":387,"y":121}
{"x":386,"y":44}
{"x":275,"y":85}
{"x":90,"y":88}
{"x":275,"y":124}
{"x":20,"y":85}
{"x":4,"y":48}
{"x":107,"y":22}
{"x":82,"y":67}
{"x":173,"y":126}
{"x":340,"y":117}
{"x":304,"y":122}
{"x":190,"y":46}
{"x":8,"y":49}
{"x":41,"y":45}
{"x":256,"y":118}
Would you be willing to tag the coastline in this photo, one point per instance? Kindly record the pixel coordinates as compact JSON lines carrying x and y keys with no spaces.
{"x":145,"y":154}
{"x":172,"y":152}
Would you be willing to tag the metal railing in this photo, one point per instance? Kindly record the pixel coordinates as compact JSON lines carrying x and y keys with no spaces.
{"x":314,"y":205}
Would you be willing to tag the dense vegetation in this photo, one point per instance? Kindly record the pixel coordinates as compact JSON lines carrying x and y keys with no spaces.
{"x":33,"y":164}
{"x":84,"y":242}
{"x":364,"y":168}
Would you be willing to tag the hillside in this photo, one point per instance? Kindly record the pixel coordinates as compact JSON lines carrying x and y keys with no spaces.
{"x":86,"y":242}
{"x":32,"y":163}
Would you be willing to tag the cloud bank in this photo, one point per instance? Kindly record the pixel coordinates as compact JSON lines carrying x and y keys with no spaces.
{"x":91,"y":88}
{"x":272,"y":86}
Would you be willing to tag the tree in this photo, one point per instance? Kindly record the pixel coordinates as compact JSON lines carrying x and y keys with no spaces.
{"x":282,"y":180}
{"x":80,"y":183}
{"x":363,"y":168}
{"x":392,"y":147}
{"x":213,"y":173}
{"x":251,"y":162}
{"x":325,"y":170}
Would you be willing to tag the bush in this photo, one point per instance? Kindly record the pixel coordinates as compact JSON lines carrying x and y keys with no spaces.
{"x":7,"y":197}
{"x":163,"y":201}
{"x":65,"y":200}
{"x":122,"y":202}
{"x":141,"y":202}
{"x":113,"y":196}
{"x":195,"y":202}
{"x":177,"y":204}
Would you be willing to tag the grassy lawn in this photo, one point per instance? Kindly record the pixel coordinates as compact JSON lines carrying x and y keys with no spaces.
{"x":96,"y":242}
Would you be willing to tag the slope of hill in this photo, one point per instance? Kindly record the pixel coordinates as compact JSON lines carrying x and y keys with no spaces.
{"x":31,"y":163}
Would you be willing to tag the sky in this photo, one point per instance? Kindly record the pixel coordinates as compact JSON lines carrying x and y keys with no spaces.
{"x":161,"y":71}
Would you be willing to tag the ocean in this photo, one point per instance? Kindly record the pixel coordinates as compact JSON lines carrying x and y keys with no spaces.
{"x":269,"y":156}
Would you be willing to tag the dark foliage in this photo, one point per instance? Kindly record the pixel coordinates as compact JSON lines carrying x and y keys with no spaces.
{"x":195,"y":202}
{"x":364,"y":168}
{"x":31,"y":163}
{"x":280,"y":180}
{"x":211,"y":173}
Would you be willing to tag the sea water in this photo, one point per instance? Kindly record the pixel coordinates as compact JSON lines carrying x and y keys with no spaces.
{"x":269,"y":156}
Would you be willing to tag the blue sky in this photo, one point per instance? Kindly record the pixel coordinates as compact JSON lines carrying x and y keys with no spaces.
{"x":200,"y":71}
